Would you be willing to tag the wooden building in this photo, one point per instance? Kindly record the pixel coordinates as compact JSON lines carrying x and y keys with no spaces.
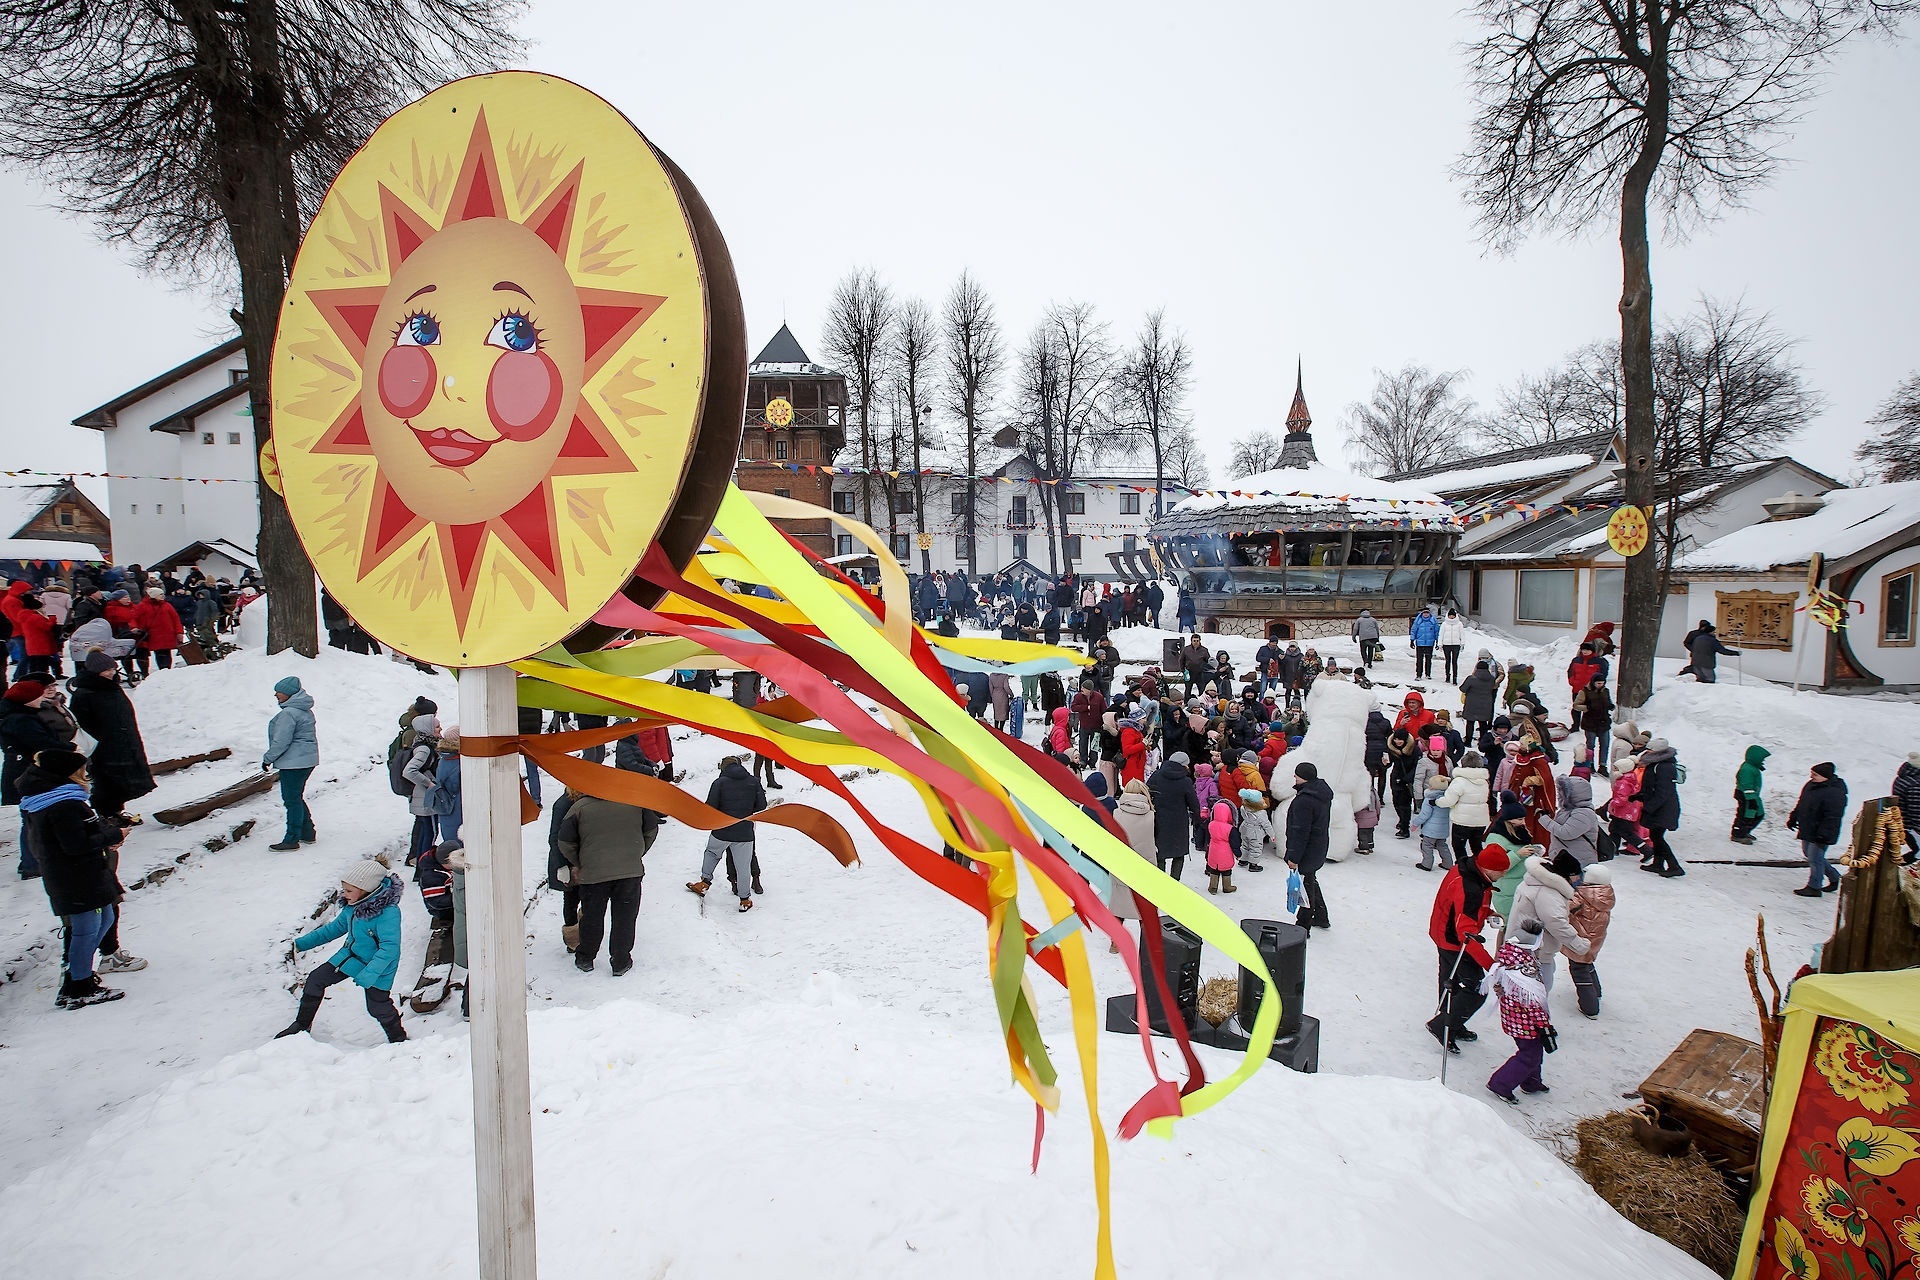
{"x":796,"y":423}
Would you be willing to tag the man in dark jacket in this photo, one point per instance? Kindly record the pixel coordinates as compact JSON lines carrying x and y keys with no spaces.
{"x":1379,"y":729}
{"x":1818,"y":816}
{"x":26,"y":731}
{"x":1476,"y":702}
{"x":74,"y":845}
{"x":1197,"y":663}
{"x":737,"y":794}
{"x":1309,"y":820}
{"x":1659,"y":798}
{"x":119,"y":764}
{"x":1704,"y":650}
{"x":1176,"y":813}
{"x":604,"y":844}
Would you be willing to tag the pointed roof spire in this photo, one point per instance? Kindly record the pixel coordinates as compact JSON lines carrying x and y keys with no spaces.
{"x":1298,"y":419}
{"x":783,"y":349}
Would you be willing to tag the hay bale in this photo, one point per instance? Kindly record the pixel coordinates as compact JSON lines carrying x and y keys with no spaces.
{"x":1219,"y":997}
{"x":1681,"y":1199}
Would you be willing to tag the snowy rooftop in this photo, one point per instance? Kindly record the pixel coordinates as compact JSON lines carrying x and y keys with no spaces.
{"x":1851,"y":521}
{"x":1467,"y":478}
{"x":1319,"y":490}
{"x":47,"y":549}
{"x":22,"y":499}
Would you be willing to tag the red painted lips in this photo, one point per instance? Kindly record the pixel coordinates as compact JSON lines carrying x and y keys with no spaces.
{"x":453,"y":448}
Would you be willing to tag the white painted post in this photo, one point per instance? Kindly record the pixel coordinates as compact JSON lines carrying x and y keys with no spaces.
{"x":496,"y":946}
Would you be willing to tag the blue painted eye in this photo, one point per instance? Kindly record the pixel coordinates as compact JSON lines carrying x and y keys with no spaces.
{"x":418,"y":330}
{"x":515,"y":332}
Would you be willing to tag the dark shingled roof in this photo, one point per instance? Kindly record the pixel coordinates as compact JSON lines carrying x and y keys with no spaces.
{"x":783,"y":349}
{"x":1594,"y":444}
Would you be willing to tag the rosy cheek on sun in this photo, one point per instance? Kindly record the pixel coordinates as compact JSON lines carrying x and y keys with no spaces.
{"x":406,"y":380}
{"x":523,"y":394}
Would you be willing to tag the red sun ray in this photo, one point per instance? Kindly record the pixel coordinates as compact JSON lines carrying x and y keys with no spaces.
{"x":390,"y":522}
{"x":531,"y":530}
{"x":590,"y":448}
{"x":611,"y":317}
{"x":350,"y":313}
{"x":478,"y":192}
{"x":404,"y":229}
{"x":553,"y":220}
{"x":348,"y":434}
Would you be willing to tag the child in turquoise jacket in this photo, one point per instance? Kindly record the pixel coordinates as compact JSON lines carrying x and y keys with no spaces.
{"x":1748,"y":811}
{"x":370,"y":920}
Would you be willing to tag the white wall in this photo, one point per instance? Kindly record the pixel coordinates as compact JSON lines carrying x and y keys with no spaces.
{"x":1769,"y":664}
{"x":154,"y":518}
{"x":1893,"y":664}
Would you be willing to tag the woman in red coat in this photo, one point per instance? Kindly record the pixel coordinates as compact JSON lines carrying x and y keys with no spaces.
{"x":1133,"y":753}
{"x":35,"y":629}
{"x":159,"y":624}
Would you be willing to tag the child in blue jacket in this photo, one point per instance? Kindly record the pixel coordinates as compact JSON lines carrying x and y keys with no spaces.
{"x":370,"y":921}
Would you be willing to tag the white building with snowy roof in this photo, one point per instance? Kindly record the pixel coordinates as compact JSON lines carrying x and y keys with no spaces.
{"x":1300,"y":550}
{"x":1861,"y":545}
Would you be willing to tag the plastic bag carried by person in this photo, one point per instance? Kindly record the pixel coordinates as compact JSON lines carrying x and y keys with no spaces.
{"x":1296,"y":893}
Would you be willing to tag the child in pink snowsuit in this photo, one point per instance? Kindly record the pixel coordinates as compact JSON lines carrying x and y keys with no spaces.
{"x":1220,"y":848}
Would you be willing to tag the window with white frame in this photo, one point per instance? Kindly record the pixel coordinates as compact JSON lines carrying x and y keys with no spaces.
{"x":1546,"y":596}
{"x":779,"y":450}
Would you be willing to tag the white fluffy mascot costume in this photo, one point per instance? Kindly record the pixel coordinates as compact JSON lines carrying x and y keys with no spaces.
{"x":1336,"y":743}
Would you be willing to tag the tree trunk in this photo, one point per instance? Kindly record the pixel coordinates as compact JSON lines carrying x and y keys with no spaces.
{"x":1642,"y":605}
{"x":265,"y":232}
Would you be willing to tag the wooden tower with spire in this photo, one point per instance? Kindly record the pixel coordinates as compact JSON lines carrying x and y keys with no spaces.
{"x":1297,"y":451}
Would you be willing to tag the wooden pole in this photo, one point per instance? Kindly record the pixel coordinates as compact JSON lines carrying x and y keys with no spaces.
{"x":496,"y":945}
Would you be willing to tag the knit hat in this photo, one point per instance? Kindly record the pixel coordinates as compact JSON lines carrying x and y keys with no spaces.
{"x":1660,"y":744}
{"x":288,"y":685}
{"x":1564,"y":865}
{"x":450,"y":740}
{"x":62,"y":764}
{"x":97,"y":664}
{"x":156,"y":593}
{"x":1825,"y":769}
{"x":1492,"y":861}
{"x":365,"y":875}
{"x":1471,"y":760}
{"x":1436,"y":743}
{"x":1305,"y":772}
{"x":1180,"y":758}
{"x":25,"y":691}
{"x":424,"y":706}
{"x":1913,"y":758}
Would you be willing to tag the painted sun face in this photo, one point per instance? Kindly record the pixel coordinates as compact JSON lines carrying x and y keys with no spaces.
{"x":475,"y":363}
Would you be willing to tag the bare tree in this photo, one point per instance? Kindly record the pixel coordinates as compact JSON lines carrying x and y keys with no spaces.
{"x":1598,"y":109}
{"x":203,"y":133}
{"x":1257,"y":451}
{"x":1183,"y":462}
{"x":1416,"y":418}
{"x":1154,"y":383}
{"x":1894,"y":454}
{"x":915,"y":347}
{"x":1039,"y":397}
{"x":1726,"y":388}
{"x":970,"y":333}
{"x":857,"y":334}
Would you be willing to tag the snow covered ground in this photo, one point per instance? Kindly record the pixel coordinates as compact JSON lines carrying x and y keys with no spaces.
{"x":815,"y":1088}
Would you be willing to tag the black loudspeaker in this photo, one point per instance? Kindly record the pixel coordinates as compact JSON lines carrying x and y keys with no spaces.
{"x":1180,"y":948}
{"x":1170,"y":656}
{"x":1297,"y":1051}
{"x":1284,"y":949}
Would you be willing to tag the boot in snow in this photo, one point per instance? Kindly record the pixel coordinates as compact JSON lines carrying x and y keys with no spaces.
{"x":699,"y":887}
{"x":1586,"y":985}
{"x":88,"y":990}
{"x":121,"y":961}
{"x":293,"y":1030}
{"x":1213,"y":882}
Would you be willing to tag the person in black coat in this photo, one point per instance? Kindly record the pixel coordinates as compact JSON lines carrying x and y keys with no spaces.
{"x":1476,"y":701}
{"x":1704,"y":649}
{"x":738,"y":794}
{"x":1379,"y":728}
{"x":1819,"y":816}
{"x":1659,"y":798}
{"x":1309,"y":820}
{"x":1176,"y":813}
{"x":24,"y":733}
{"x":118,"y":766}
{"x":75,"y":847}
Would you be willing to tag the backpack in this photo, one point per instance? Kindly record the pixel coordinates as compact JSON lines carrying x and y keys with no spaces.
{"x":397,"y":757}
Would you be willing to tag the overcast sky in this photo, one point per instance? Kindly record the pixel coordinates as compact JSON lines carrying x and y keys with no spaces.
{"x":1274,"y":174}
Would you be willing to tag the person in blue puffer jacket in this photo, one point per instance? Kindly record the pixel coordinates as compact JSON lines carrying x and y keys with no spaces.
{"x":1424,"y":633}
{"x":293,"y":748}
{"x":370,"y":920}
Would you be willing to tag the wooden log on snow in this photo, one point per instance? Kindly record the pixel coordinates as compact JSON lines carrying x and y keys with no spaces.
{"x":181,"y":815}
{"x":160,"y":768}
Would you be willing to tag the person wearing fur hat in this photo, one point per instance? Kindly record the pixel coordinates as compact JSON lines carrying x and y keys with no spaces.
{"x":1460,"y":911}
{"x":1818,"y":818}
{"x":369,"y":919}
{"x":293,"y":748}
{"x":1516,"y":978}
{"x":24,"y":733}
{"x":118,"y":765}
{"x":77,"y":852}
{"x":1309,"y":822}
{"x":1592,"y":912}
{"x":1546,"y":895}
{"x":1403,"y":757}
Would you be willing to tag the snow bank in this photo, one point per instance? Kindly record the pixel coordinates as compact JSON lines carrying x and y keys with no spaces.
{"x":817,"y":1135}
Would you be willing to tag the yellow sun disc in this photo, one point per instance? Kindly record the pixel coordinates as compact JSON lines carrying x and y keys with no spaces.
{"x":490,"y":371}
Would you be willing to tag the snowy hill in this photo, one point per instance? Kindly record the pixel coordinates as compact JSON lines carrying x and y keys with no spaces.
{"x":815,"y":1088}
